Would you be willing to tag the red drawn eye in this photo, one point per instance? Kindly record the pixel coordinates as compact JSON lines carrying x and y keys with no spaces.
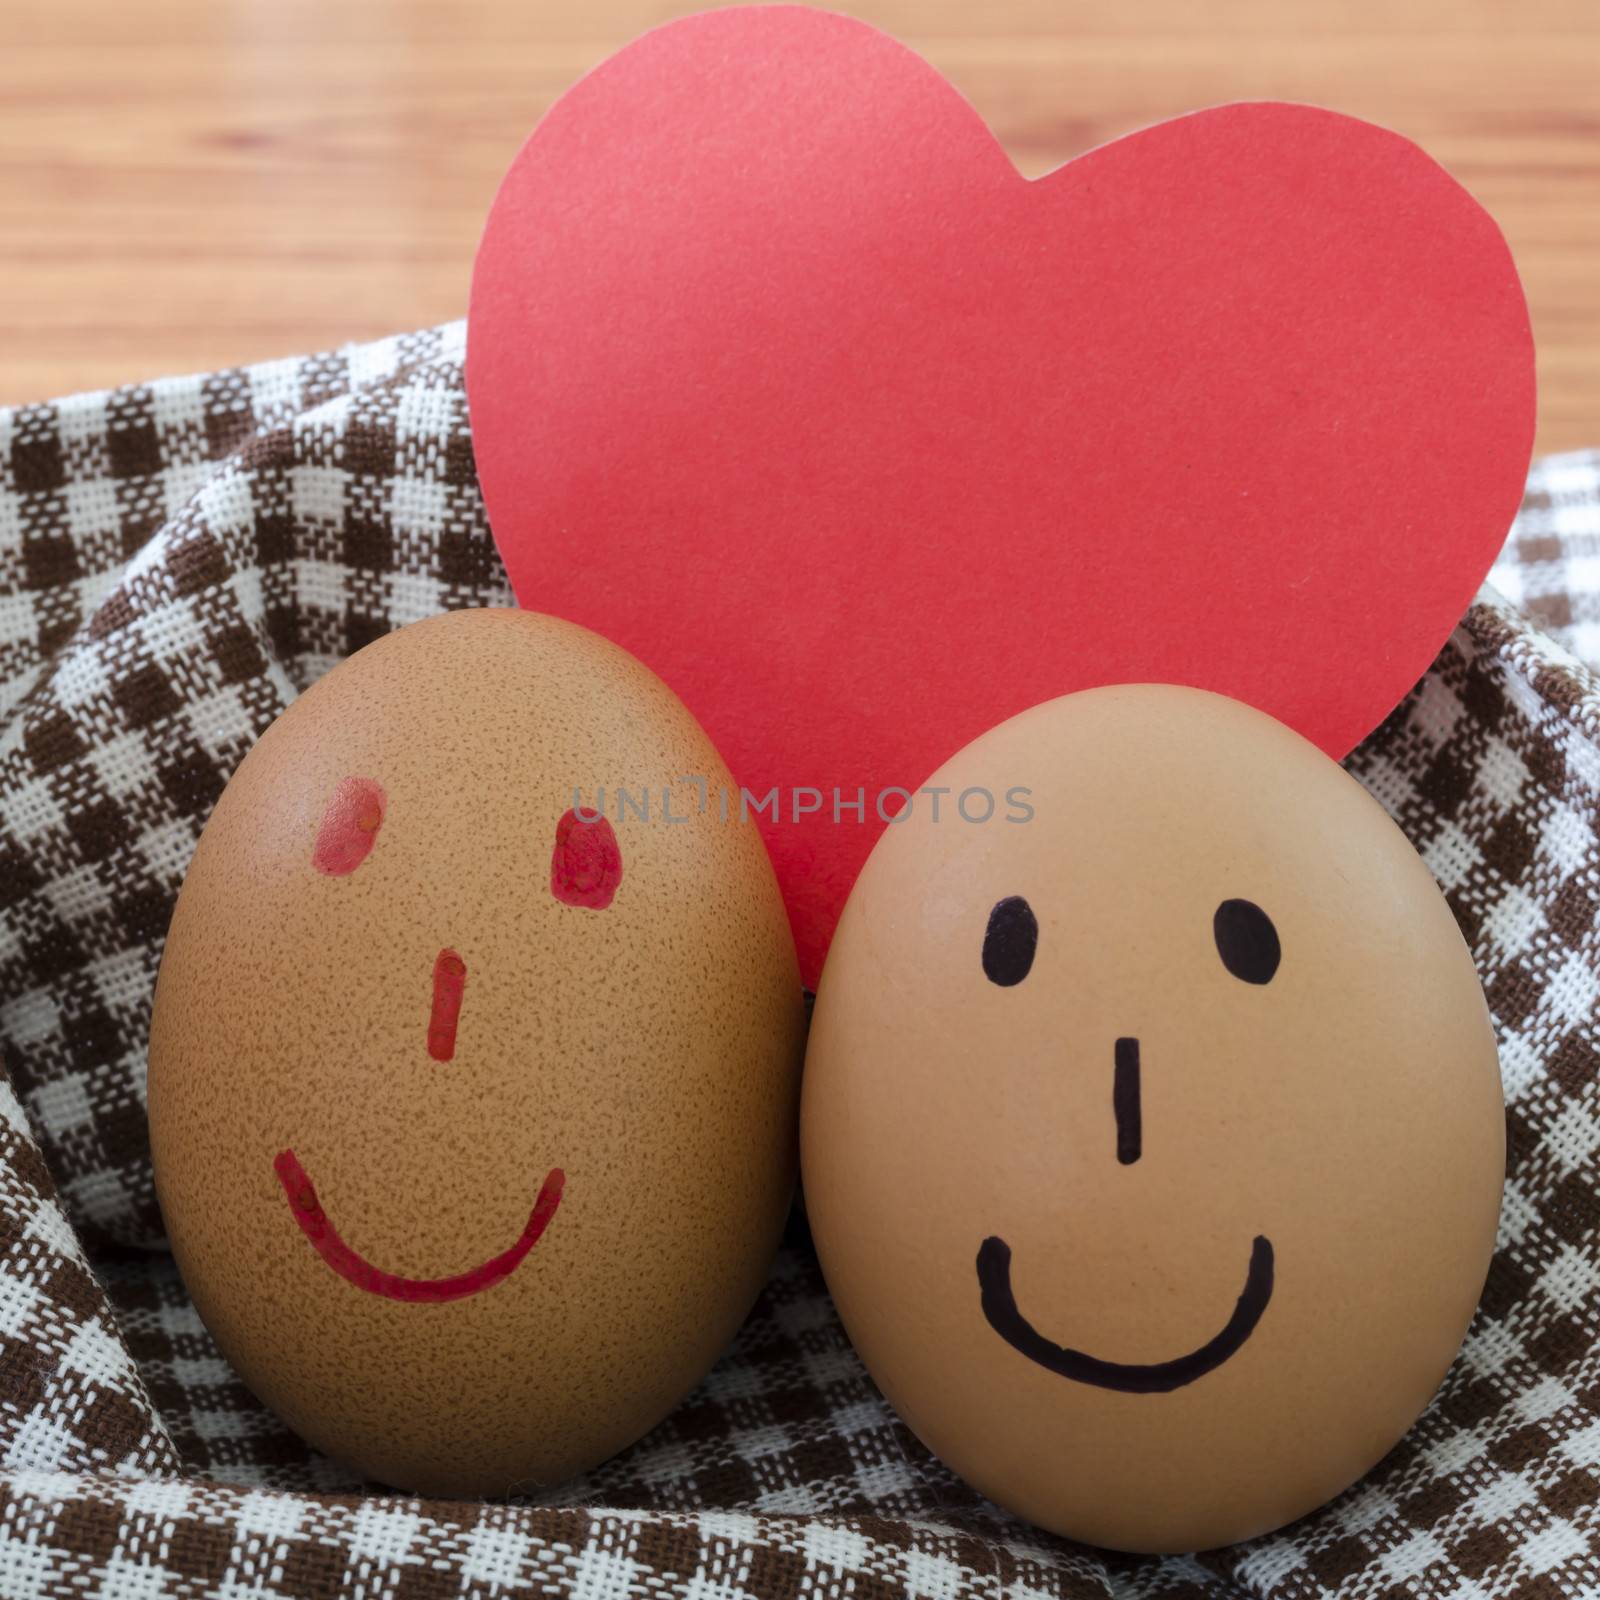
{"x":349,"y":827}
{"x":586,"y":865}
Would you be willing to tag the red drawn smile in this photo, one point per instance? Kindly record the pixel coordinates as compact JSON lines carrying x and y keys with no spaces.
{"x":325,"y":1240}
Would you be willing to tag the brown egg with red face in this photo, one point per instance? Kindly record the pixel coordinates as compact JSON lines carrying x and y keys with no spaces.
{"x":1152,"y":1136}
{"x":473,"y":1084}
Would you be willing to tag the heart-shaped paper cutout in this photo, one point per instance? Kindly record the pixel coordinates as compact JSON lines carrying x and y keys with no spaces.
{"x":783,"y":377}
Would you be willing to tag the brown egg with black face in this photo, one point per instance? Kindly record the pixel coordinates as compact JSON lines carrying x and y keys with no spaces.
{"x":1152,"y":1136}
{"x":473,"y":1085}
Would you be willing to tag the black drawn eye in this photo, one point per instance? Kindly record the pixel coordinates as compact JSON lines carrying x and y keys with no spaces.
{"x":1246,"y":941}
{"x":1010,"y":941}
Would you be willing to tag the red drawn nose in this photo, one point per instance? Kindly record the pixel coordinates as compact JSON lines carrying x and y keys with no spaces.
{"x":449,"y":985}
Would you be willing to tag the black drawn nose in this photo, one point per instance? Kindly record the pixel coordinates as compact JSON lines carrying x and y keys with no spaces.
{"x":1125,"y":1101}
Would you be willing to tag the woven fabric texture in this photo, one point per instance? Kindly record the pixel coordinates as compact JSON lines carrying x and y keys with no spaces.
{"x":177,"y":562}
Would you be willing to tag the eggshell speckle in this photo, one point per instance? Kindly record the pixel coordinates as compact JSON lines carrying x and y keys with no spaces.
{"x":471,"y":1178}
{"x":1152,"y":1143}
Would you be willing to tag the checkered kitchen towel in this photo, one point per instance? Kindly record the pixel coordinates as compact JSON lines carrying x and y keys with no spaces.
{"x":177,"y":562}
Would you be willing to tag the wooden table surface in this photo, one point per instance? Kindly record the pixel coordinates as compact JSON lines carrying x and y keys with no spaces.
{"x":188,"y":184}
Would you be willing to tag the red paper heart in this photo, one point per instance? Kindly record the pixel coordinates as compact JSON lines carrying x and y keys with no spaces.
{"x":782,"y":377}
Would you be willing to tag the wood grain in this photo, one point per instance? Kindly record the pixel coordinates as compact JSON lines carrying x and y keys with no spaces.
{"x":188,"y":184}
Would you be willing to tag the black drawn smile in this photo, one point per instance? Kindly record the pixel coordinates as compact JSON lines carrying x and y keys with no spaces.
{"x":1000,"y":1307}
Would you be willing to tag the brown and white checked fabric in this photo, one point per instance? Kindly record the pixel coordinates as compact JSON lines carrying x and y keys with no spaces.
{"x":177,"y":561}
{"x":1551,"y":568}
